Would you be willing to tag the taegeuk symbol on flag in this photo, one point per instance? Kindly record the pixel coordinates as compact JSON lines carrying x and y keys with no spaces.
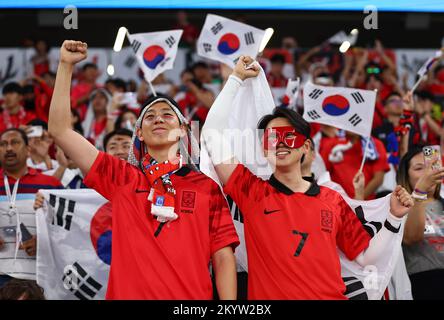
{"x":344,"y":108}
{"x":225,"y":40}
{"x":155,"y":51}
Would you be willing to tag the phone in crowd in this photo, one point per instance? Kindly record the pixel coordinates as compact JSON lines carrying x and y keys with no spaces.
{"x":35,"y":132}
{"x":26,"y":235}
{"x":432,"y":154}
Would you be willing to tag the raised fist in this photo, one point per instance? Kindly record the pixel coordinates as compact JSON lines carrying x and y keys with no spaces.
{"x":73,"y":52}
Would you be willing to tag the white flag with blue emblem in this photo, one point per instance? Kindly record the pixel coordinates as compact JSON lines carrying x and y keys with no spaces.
{"x":225,"y":40}
{"x":344,"y":108}
{"x":74,"y":244}
{"x":155,"y":51}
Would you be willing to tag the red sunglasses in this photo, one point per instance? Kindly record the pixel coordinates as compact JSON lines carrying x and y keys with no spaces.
{"x":287,"y":135}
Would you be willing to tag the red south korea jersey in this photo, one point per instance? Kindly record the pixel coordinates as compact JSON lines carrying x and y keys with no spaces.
{"x":161,"y":261}
{"x":292,"y":238}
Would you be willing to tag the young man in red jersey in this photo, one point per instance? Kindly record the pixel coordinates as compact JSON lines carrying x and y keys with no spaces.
{"x":292,"y":227}
{"x":169,"y":220}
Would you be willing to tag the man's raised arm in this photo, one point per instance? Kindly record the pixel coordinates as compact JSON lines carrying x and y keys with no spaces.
{"x":218,"y":146}
{"x":73,"y":144}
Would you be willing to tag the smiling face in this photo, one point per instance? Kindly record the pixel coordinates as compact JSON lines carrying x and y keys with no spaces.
{"x":160,"y":128}
{"x":282,"y":157}
{"x":417,"y":170}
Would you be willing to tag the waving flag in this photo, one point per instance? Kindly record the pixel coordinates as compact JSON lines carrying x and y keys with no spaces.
{"x":291,"y":93}
{"x":155,"y":51}
{"x":225,"y":40}
{"x":344,"y":108}
{"x":429,"y":63}
{"x":74,"y":244}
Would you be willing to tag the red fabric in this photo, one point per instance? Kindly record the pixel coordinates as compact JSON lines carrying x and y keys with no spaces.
{"x":173,"y":265}
{"x":436,"y":89}
{"x":275,"y":269}
{"x":43,"y":95}
{"x":374,"y":56}
{"x":277,"y":82}
{"x":344,"y":171}
{"x":188,"y":104}
{"x":98,"y":128}
{"x":41,"y":68}
{"x":79,"y":91}
{"x":16,"y":120}
{"x":379,"y":115}
{"x":190,"y":32}
{"x":31,"y":182}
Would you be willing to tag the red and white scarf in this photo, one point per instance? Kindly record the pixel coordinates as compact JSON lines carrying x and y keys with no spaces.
{"x":162,"y":191}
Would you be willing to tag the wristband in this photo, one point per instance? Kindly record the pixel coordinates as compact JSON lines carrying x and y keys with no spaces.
{"x":419,"y":191}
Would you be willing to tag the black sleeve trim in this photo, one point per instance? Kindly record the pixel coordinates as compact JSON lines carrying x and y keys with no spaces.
{"x":391,"y":228}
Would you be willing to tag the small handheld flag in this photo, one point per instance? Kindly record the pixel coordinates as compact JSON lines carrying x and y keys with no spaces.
{"x":225,"y":40}
{"x":155,"y":51}
{"x":345,"y":108}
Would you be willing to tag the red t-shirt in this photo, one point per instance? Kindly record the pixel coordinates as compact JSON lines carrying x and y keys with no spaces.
{"x":173,"y":264}
{"x":15,"y":120}
{"x":292,"y":238}
{"x":343,"y":172}
{"x":31,"y":182}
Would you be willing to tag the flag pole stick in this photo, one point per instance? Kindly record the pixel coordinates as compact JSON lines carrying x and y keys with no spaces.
{"x":151,"y":88}
{"x":365,"y":153}
{"x":416,"y":84}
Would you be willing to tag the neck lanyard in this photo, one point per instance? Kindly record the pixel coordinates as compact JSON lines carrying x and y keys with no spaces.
{"x":13,"y":210}
{"x":11,"y":196}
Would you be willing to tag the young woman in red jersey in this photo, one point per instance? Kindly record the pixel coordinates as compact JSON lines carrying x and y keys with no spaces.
{"x":169,"y":220}
{"x":292,"y":227}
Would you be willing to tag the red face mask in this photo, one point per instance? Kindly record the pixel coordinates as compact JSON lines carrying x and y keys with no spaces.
{"x":287,"y":135}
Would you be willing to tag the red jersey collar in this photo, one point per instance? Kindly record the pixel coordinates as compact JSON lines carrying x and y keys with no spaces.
{"x":313,"y":191}
{"x":31,"y":172}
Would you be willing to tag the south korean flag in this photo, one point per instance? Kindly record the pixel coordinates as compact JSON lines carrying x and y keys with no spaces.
{"x":225,"y":40}
{"x":155,"y":51}
{"x":344,"y":108}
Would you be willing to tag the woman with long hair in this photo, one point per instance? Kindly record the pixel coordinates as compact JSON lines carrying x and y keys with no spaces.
{"x":423,"y":241}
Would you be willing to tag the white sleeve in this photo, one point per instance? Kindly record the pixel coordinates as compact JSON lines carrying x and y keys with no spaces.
{"x":218,"y":147}
{"x":381,"y":242}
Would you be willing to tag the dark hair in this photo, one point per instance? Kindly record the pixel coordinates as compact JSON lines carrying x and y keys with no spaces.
{"x":392,"y":94}
{"x":89,"y":65}
{"x":38,"y":122}
{"x":425,"y":95}
{"x":118,"y":83}
{"x":119,"y":119}
{"x":293,"y":117}
{"x":20,"y":131}
{"x":199,"y":64}
{"x":402,"y":175}
{"x":15,"y":289}
{"x":12,"y":87}
{"x":117,"y":132}
{"x":29,"y":88}
{"x":277,"y":58}
{"x":152,"y":98}
{"x":78,"y":124}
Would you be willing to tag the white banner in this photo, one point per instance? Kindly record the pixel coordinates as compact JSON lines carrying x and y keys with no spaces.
{"x":74,"y":244}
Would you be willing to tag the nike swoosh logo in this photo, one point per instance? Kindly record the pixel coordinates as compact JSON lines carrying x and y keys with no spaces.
{"x":268,"y":212}
{"x":141,"y":191}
